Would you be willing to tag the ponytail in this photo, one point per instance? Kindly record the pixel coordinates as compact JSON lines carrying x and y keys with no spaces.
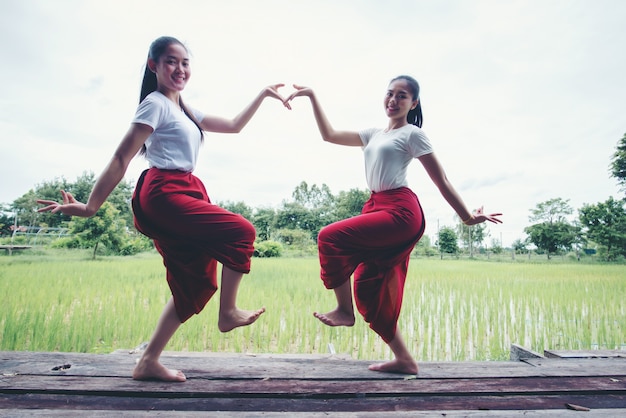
{"x":414,"y":117}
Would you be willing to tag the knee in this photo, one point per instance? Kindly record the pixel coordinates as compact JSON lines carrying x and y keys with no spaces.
{"x":326,"y":235}
{"x":247,"y":230}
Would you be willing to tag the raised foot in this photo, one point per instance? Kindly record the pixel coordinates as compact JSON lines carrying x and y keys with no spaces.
{"x":396,"y":366}
{"x":237,"y":318}
{"x":336,"y":318}
{"x":156,"y":371}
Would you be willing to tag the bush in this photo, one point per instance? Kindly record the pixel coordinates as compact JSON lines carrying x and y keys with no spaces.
{"x":66,"y":242}
{"x":268,"y":249}
{"x":136,"y":245}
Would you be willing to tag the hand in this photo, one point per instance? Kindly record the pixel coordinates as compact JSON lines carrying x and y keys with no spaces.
{"x":479,"y":217}
{"x":272,"y":91}
{"x":70,"y":206}
{"x":300,"y":91}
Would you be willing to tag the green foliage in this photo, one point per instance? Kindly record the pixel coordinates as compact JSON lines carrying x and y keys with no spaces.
{"x":552,"y":238}
{"x":237,"y":207}
{"x":268,"y":249}
{"x":618,"y":162}
{"x":104,"y":228}
{"x":135,"y":245}
{"x":313,"y":197}
{"x":448,"y":241}
{"x":551,"y":211}
{"x":293,"y":237}
{"x":264,"y":220}
{"x":350,"y":203}
{"x":606,"y":225}
{"x":553,"y":233}
{"x":472,"y":236}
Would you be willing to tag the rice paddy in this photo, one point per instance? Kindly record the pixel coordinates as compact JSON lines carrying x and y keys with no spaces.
{"x":454,"y":310}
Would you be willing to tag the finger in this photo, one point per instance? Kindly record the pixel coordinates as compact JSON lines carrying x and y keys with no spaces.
{"x":46,"y":208}
{"x":65,"y":197}
{"x":46,"y":202}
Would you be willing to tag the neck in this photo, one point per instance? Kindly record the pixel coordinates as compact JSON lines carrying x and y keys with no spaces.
{"x":395,"y":124}
{"x":173,"y":95}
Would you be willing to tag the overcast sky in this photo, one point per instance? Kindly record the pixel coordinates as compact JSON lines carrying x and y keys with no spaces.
{"x":523,"y":101}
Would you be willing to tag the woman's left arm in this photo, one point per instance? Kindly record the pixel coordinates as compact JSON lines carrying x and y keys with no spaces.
{"x":235,"y":125}
{"x":438,"y":176}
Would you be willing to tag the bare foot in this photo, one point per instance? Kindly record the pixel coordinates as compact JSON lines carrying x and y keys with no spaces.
{"x":395,"y":366}
{"x":156,"y":371}
{"x":336,"y":318}
{"x":237,"y":318}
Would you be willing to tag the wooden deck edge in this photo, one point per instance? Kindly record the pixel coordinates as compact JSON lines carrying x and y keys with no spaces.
{"x":65,"y":413}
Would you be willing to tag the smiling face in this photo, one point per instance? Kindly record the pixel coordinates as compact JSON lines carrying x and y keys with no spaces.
{"x":172,"y":69}
{"x":399,"y":100}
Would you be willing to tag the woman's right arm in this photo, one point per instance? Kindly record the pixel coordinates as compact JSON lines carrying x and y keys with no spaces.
{"x":349,"y":138}
{"x":108,"y":180}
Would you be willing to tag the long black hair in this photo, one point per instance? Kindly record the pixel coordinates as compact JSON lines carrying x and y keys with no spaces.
{"x":149,"y":82}
{"x":414,"y":117}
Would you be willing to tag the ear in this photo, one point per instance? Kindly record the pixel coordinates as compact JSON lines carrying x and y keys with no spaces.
{"x":414,"y":105}
{"x":152,"y":65}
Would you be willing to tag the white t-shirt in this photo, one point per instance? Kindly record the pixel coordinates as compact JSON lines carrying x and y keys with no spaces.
{"x":176,"y":140}
{"x":388,"y":154}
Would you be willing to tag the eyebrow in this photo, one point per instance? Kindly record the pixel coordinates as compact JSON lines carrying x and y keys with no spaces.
{"x":175,"y":57}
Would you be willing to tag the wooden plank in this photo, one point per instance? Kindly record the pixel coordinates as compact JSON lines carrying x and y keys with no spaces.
{"x":594,"y":413}
{"x":584,"y":353}
{"x":247,"y":366}
{"x":330,"y":389}
{"x":296,"y":405}
{"x":580,"y":367}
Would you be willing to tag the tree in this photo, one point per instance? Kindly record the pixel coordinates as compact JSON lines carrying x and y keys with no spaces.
{"x":618,"y":163}
{"x":605,"y":224}
{"x":552,"y":233}
{"x":471,"y":236}
{"x":313,"y":197}
{"x":237,"y":207}
{"x":294,"y":215}
{"x":7,"y":220}
{"x":448,"y":241}
{"x":519,"y":246}
{"x":350,"y":203}
{"x":105,"y":228}
{"x":26,"y":205}
{"x":263,"y":220}
{"x":552,"y":237}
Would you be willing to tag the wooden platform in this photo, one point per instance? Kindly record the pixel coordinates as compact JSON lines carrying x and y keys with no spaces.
{"x":99,"y":385}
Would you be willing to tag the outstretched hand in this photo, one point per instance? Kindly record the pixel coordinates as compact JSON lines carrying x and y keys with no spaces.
{"x":272,"y":91}
{"x":70,"y":206}
{"x":479,"y":217}
{"x":300,"y":91}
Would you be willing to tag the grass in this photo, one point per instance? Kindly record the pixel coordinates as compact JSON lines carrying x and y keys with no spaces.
{"x":453,"y":309}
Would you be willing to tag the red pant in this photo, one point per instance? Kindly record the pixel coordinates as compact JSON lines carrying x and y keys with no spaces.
{"x":191,"y":234}
{"x":376,"y":247}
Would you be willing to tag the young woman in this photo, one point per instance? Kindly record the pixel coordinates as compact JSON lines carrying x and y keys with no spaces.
{"x":171,"y":205}
{"x":375,"y":246}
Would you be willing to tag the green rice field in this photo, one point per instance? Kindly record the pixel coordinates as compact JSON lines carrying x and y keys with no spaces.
{"x":454,"y":310}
